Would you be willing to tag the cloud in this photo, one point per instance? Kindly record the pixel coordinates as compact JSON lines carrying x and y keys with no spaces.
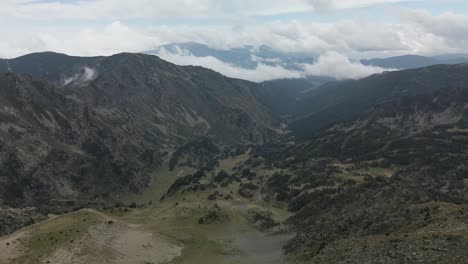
{"x":322,"y":5}
{"x":262,"y":72}
{"x":95,"y":10}
{"x":85,"y":75}
{"x":88,"y":41}
{"x":105,"y":27}
{"x":444,"y":32}
{"x":333,"y":64}
{"x":416,"y":32}
{"x":330,"y":64}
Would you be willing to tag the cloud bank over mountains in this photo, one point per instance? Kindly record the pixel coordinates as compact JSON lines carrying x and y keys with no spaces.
{"x":418,"y":32}
{"x":262,"y":72}
{"x":331,"y":64}
{"x":338,"y":33}
{"x":104,"y":27}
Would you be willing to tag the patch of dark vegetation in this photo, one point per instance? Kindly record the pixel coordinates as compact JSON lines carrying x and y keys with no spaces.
{"x":319,"y":174}
{"x":224,"y":179}
{"x":215,"y":196}
{"x":247,"y":190}
{"x":234,"y":151}
{"x":261,"y":219}
{"x":199,"y":153}
{"x":200,"y":187}
{"x":185,"y":181}
{"x":277,"y":187}
{"x":213,"y":216}
{"x":248,"y":174}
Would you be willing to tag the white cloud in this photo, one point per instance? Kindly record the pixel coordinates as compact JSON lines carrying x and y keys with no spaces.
{"x":446,"y":32}
{"x":124,"y":9}
{"x":89,"y":41}
{"x":333,"y":64}
{"x":263,"y":72}
{"x":322,"y":5}
{"x":295,"y":36}
{"x":417,"y":32}
{"x":85,"y":75}
{"x":330,"y":64}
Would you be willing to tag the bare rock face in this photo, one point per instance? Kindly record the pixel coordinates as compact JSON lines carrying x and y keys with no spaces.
{"x":14,"y":219}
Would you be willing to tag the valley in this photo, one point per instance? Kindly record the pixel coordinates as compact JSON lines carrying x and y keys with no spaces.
{"x":154,"y":231}
{"x":142,"y":161}
{"x":233,"y":132}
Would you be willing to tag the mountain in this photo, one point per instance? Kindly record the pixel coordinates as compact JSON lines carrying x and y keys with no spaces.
{"x":402,"y":130}
{"x":452,"y":56}
{"x":100,"y":133}
{"x":51,"y":66}
{"x":283,"y":96}
{"x":388,"y":182}
{"x":415,"y":61}
{"x":180,"y":158}
{"x":340,"y":101}
{"x":247,"y":57}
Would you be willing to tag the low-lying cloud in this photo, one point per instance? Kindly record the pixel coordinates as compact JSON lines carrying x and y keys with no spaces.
{"x":85,"y":75}
{"x":262,"y":72}
{"x":331,"y":64}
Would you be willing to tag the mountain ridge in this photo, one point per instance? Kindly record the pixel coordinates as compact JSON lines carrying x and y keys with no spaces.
{"x":341,"y":100}
{"x":102,"y":136}
{"x":406,"y":62}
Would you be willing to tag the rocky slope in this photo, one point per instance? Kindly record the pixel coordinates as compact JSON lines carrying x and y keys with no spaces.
{"x":100,"y":132}
{"x":388,"y":183}
{"x":378,"y":173}
{"x":341,"y":101}
{"x":13,"y":219}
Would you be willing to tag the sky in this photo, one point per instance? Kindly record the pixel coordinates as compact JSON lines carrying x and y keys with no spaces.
{"x":331,"y":29}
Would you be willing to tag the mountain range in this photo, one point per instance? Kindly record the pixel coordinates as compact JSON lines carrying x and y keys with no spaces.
{"x":415,"y":61}
{"x":174,"y":157}
{"x":249,"y":57}
{"x":338,"y":101}
{"x":87,"y":128}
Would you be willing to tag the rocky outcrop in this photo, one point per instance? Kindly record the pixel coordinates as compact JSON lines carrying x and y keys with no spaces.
{"x":14,"y":219}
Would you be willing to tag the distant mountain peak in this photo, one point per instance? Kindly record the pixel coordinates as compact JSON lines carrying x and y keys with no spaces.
{"x":247,"y":56}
